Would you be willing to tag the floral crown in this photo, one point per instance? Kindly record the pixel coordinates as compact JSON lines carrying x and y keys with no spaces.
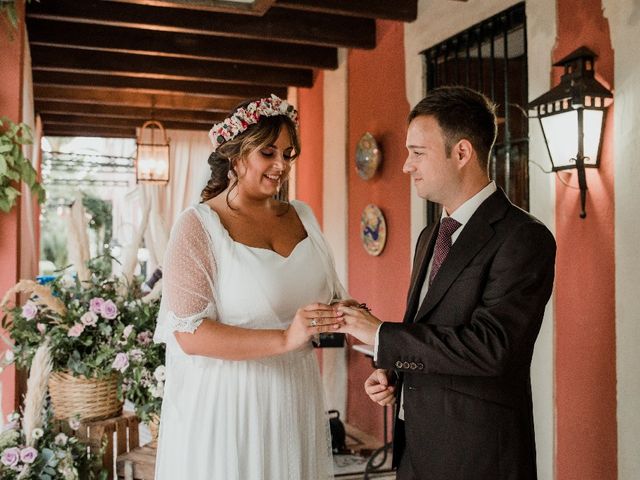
{"x":240,"y":120}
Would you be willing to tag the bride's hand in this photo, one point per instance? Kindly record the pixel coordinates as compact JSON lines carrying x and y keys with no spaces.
{"x":310,"y":320}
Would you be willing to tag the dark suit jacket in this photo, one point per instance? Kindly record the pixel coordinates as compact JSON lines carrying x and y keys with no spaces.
{"x":464,"y":356}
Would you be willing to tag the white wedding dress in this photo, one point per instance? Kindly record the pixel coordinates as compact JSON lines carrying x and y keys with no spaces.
{"x":259,"y":419}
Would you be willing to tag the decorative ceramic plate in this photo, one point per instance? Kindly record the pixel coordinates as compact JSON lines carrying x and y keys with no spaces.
{"x":373,"y":230}
{"x":368,"y":156}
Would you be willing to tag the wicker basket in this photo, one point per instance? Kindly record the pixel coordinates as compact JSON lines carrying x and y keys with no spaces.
{"x":84,"y":398}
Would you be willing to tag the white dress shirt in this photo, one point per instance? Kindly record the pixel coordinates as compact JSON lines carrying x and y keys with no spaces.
{"x":462,"y":214}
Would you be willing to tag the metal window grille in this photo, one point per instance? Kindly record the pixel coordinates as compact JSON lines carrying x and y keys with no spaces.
{"x":491,"y":57}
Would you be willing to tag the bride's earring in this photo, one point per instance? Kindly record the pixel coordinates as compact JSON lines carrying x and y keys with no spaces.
{"x":230,"y":175}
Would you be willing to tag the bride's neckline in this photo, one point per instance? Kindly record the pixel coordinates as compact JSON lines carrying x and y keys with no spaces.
{"x":258,"y":249}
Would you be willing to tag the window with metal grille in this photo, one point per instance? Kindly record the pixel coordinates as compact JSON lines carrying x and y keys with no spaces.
{"x":491,"y":57}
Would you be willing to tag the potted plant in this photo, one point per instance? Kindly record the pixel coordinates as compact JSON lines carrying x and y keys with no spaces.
{"x":33,"y":447}
{"x":14,"y":167}
{"x":88,"y":326}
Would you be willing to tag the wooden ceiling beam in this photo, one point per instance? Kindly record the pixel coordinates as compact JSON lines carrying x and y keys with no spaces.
{"x":133,"y":98}
{"x":119,"y":111}
{"x":278,"y":24}
{"x":257,"y":7}
{"x":181,"y":45}
{"x":84,"y":131}
{"x":403,"y":10}
{"x":147,"y":66}
{"x":154,"y":85}
{"x":51,"y":119}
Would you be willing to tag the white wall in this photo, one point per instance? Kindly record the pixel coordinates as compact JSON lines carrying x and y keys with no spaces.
{"x":335,"y":213}
{"x":438,"y":20}
{"x":624,"y":24}
{"x":541,"y":37}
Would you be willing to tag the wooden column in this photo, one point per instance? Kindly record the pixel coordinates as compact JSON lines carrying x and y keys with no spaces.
{"x":12,"y":48}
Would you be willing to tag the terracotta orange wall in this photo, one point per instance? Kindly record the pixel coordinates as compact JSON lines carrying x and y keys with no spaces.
{"x":585,"y":285}
{"x":10,"y":106}
{"x":378,"y":104}
{"x":309,"y":182}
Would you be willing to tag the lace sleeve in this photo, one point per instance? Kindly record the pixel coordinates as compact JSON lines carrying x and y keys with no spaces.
{"x":189,"y":273}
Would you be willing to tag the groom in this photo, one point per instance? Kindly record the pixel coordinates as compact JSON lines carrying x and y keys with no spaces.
{"x":458,"y":366}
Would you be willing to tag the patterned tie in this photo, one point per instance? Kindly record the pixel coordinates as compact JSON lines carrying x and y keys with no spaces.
{"x":443,"y":243}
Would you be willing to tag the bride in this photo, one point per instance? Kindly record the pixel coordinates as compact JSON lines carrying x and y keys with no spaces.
{"x":248,"y":280}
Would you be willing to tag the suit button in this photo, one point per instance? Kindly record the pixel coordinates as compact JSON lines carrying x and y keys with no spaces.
{"x":420,"y":366}
{"x":405,"y":364}
{"x":413,"y":365}
{"x":398,"y":364}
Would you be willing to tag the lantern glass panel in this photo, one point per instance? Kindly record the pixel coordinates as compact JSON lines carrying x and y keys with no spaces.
{"x":561,"y":130}
{"x":592,"y":132}
{"x":153,"y":163}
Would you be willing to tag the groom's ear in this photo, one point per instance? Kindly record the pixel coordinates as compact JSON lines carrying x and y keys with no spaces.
{"x":463,"y":152}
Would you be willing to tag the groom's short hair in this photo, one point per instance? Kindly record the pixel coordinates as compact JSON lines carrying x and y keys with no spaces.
{"x":461,"y":113}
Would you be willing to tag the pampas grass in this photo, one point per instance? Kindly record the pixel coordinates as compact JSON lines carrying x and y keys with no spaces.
{"x":130,"y":254}
{"x":44,"y":296}
{"x":78,"y":239}
{"x":36,"y":392}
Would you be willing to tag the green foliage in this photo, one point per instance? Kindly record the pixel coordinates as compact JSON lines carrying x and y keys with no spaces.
{"x":143,"y":383}
{"x":9,"y":13}
{"x":14,"y":167}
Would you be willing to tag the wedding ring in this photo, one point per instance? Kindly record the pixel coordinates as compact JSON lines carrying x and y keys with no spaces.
{"x":314,"y":323}
{"x":364,"y":306}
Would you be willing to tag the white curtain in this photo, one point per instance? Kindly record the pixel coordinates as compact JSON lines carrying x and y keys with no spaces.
{"x":189,"y":172}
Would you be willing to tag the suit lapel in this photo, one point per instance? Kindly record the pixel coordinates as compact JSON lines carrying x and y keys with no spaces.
{"x":476,"y":233}
{"x":420,"y":264}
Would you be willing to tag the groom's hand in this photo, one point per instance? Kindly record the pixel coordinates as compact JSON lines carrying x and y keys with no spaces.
{"x":378,"y":388}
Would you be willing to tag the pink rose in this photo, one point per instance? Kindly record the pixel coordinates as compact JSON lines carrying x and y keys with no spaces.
{"x":89,"y":319}
{"x":41,"y":327}
{"x":29,"y":310}
{"x":95,"y":304}
{"x":10,"y":456}
{"x":28,"y":455}
{"x":109,"y":310}
{"x":121,"y":363}
{"x":76,"y":330}
{"x":144,"y":338}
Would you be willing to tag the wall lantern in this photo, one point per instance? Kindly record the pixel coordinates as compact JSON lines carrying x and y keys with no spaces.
{"x":152,"y":157}
{"x":571,"y":116}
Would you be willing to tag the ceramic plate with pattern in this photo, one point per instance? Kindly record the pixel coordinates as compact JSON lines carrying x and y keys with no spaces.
{"x":373,"y":230}
{"x":368,"y":156}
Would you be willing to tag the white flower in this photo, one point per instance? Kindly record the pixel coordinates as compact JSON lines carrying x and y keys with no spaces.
{"x":9,"y":356}
{"x":136,"y":354}
{"x":37,"y":433}
{"x":160,"y":373}
{"x":127,"y":331}
{"x":157,"y":390}
{"x":74,"y":423}
{"x":89,"y":319}
{"x":61,"y":439}
{"x":67,"y":281}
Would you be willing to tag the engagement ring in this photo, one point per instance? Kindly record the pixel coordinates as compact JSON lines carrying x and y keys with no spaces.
{"x":314,"y":323}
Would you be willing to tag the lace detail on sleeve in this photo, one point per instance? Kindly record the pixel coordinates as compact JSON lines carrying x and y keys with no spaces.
{"x":189,"y":276}
{"x":187,"y":324}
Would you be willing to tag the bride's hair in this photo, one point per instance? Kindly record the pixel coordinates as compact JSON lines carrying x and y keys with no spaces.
{"x":222,"y":161}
